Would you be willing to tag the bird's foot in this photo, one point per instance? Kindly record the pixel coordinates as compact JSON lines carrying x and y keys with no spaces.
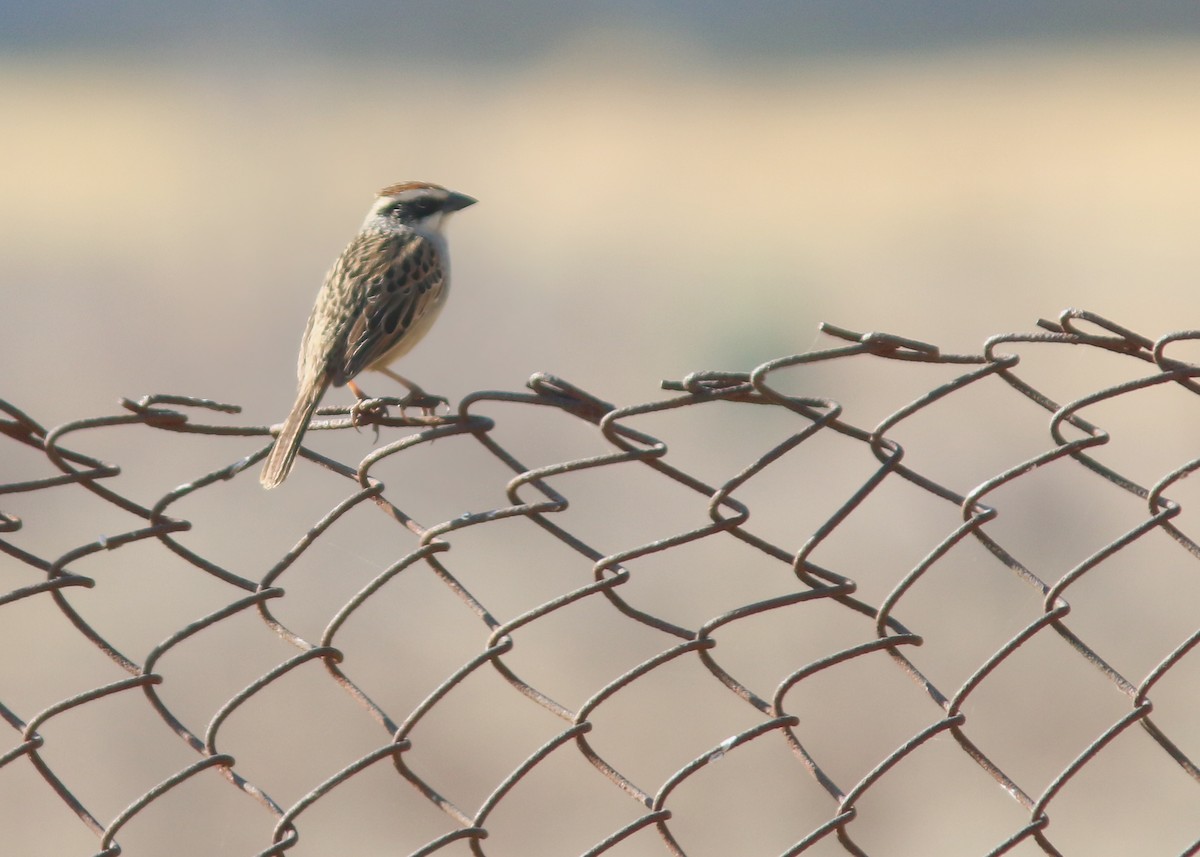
{"x":368,"y":412}
{"x":427,"y":402}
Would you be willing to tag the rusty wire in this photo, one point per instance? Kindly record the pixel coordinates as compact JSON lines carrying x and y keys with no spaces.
{"x":538,"y":495}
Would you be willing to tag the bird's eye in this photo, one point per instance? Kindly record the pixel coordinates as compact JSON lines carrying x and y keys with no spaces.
{"x":413,"y":210}
{"x":423,"y":207}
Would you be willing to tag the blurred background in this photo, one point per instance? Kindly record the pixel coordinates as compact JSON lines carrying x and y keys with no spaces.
{"x":677,"y":186}
{"x":663,"y":187}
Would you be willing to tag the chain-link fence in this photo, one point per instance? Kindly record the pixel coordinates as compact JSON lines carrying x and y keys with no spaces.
{"x":823,"y":607}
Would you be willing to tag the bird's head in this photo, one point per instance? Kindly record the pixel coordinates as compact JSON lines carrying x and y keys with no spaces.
{"x":416,"y":205}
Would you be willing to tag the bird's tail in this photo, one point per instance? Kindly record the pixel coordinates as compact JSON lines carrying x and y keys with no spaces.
{"x":283,"y":453}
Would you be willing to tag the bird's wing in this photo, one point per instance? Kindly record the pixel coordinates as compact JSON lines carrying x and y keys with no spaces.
{"x":397,"y":282}
{"x":376,"y":291}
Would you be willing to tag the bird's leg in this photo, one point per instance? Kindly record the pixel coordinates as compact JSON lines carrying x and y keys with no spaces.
{"x":428,"y":403}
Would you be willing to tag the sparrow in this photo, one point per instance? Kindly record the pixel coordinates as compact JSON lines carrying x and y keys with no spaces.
{"x":380,"y":298}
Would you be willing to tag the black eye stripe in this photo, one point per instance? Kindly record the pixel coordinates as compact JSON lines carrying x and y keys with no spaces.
{"x":414,"y":208}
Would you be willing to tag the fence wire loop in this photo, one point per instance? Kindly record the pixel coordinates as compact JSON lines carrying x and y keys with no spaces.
{"x":884,"y":343}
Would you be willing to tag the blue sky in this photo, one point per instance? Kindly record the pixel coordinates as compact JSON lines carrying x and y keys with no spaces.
{"x":503,"y":32}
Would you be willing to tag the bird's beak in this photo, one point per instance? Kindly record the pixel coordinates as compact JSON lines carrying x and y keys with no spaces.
{"x":456,"y":201}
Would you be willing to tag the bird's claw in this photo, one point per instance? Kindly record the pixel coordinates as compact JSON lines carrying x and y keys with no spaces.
{"x":368,"y":412}
{"x":427,"y":402}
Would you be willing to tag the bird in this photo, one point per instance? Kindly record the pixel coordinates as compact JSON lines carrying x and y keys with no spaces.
{"x":378,"y":300}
